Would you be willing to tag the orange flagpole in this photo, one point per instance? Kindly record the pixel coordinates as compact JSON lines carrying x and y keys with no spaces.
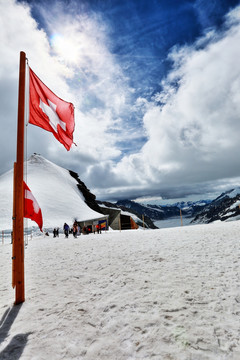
{"x":13,"y":226}
{"x":181,"y":217}
{"x":18,"y":196}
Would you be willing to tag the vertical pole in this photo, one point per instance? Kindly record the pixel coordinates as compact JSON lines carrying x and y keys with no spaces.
{"x":181,"y":217}
{"x":18,"y":224}
{"x":120,"y":225}
{"x":2,"y":237}
{"x":14,"y":227}
{"x":143,"y":222}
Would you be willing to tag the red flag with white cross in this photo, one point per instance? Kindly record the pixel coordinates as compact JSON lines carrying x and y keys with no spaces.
{"x":31,"y":208}
{"x":49,"y":112}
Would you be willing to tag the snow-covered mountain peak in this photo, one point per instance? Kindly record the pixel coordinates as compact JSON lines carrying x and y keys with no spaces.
{"x":36,"y":158}
{"x":56,"y":191}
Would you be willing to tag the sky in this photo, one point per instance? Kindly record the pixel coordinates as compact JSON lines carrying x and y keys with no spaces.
{"x":155,"y":85}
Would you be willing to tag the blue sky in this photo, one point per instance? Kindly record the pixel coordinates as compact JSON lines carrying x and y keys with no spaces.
{"x":155,"y":85}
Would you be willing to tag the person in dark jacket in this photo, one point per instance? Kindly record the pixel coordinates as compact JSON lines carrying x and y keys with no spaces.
{"x":66,"y":229}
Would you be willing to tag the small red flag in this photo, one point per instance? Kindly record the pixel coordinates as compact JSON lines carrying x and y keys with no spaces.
{"x":49,"y":112}
{"x":31,"y":208}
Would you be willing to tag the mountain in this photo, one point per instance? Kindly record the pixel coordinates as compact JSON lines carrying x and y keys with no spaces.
{"x":224,"y":207}
{"x":154,"y":212}
{"x":60,"y":194}
{"x":90,"y":198}
{"x":190,"y":208}
{"x":163,"y":212}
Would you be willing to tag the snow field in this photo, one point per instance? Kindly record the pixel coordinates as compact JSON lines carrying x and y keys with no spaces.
{"x":154,"y":294}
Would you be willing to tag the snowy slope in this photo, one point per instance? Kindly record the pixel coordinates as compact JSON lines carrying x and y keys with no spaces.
{"x":55,"y":190}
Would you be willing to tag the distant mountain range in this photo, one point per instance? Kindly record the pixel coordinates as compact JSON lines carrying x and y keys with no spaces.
{"x":154,"y":213}
{"x":163,"y":212}
{"x":225,"y":207}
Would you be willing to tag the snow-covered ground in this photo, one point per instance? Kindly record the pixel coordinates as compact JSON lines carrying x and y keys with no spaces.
{"x":169,"y":294}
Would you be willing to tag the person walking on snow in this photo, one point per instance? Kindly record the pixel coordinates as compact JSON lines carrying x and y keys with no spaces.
{"x":75,"y":229}
{"x":66,"y":229}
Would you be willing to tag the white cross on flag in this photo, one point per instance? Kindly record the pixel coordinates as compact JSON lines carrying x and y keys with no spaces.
{"x":49,"y":112}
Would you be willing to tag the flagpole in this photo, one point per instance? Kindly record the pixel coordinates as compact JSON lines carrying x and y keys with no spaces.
{"x":18,"y":196}
{"x":181,"y":217}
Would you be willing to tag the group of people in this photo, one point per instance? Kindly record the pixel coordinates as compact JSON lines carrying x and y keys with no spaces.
{"x":75,"y":230}
{"x":56,"y":232}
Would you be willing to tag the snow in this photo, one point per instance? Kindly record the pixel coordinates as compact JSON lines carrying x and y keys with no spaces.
{"x":234,"y":205}
{"x":55,"y":191}
{"x":231,"y":210}
{"x":233,"y":218}
{"x":155,"y":294}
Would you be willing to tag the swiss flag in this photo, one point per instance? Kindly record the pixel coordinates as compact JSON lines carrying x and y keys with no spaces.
{"x":31,"y":208}
{"x":49,"y":112}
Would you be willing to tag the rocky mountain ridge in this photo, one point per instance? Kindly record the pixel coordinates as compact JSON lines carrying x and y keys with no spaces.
{"x":224,"y":207}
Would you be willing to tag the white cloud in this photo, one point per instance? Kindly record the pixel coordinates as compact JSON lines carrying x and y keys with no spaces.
{"x":99,"y":88}
{"x":149,"y":199}
{"x":193,"y":125}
